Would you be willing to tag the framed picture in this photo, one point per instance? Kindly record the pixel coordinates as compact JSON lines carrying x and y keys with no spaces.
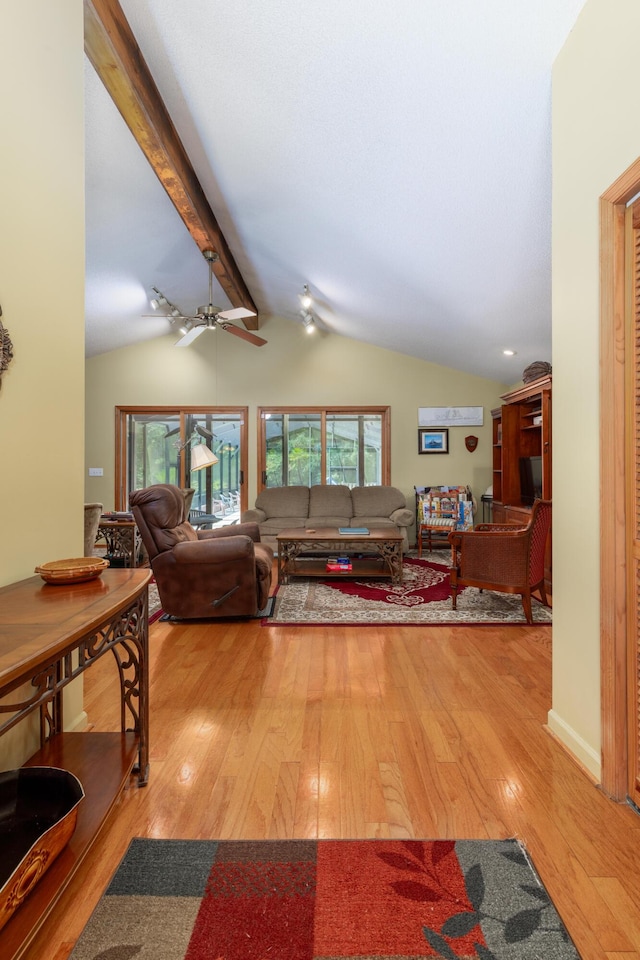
{"x":433,"y":441}
{"x":450,"y":416}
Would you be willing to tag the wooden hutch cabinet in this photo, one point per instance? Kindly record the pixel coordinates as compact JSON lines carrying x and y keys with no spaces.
{"x":521,"y":429}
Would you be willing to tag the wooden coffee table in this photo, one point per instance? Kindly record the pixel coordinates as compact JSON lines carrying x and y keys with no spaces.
{"x":297,"y":545}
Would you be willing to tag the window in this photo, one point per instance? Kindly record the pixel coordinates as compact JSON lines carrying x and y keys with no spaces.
{"x":153,"y":445}
{"x":301,"y":446}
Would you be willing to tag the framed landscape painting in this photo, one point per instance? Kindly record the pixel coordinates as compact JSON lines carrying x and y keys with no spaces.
{"x":433,"y":441}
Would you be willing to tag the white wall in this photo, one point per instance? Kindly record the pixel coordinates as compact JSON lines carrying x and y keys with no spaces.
{"x":292,"y":369}
{"x":595,"y":138}
{"x":41,"y":293}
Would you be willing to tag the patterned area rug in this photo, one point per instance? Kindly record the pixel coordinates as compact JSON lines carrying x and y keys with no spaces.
{"x":424,"y":598}
{"x":155,"y":607}
{"x":325,"y":900}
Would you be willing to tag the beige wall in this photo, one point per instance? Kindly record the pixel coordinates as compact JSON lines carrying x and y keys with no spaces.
{"x":41,"y":292}
{"x":595,"y":138}
{"x":293,"y":368}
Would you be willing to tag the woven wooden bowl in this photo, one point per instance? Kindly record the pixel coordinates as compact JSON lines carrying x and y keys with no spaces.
{"x":74,"y":570}
{"x":38,"y":816}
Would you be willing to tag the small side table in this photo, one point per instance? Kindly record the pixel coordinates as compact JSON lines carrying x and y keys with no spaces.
{"x":123,"y":541}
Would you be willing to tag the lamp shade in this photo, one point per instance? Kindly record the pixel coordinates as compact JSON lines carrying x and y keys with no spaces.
{"x":202,"y":457}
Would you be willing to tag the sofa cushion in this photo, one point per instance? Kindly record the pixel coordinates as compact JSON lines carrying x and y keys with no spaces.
{"x":319,"y":522}
{"x":376,"y":502}
{"x":273,"y":526}
{"x":284,"y":502}
{"x":372,"y":522}
{"x":330,"y":501}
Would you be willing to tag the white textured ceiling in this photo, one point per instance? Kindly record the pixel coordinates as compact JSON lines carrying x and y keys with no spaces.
{"x":395,"y":157}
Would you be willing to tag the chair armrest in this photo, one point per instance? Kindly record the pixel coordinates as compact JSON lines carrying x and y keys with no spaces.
{"x":493,"y":527}
{"x":253,"y":516}
{"x":213,"y":550}
{"x":232,"y":530}
{"x":403,"y":517}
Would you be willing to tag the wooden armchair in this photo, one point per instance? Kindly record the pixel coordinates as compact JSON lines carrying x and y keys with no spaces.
{"x":503,"y":557}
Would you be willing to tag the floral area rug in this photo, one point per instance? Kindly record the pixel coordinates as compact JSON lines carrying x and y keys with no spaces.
{"x":325,"y":900}
{"x":155,"y":607}
{"x":423,"y":598}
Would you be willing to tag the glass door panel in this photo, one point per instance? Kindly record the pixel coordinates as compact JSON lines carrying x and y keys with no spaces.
{"x":217,"y":489}
{"x":155,"y":446}
{"x":153,"y":443}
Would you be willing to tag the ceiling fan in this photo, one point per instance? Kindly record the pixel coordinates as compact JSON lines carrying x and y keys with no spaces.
{"x":210,"y":317}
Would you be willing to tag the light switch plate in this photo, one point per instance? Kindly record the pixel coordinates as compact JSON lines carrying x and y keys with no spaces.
{"x":96,"y":472}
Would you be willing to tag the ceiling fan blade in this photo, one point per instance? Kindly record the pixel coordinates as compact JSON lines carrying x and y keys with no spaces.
{"x":236,"y":314}
{"x":190,"y":336}
{"x":243,"y":334}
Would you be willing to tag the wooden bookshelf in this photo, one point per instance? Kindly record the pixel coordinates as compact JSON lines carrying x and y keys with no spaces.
{"x":521,"y":428}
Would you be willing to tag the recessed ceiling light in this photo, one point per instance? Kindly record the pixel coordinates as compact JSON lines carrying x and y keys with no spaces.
{"x":509,"y":353}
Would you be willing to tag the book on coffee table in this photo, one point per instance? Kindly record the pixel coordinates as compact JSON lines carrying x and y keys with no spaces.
{"x":360,"y":531}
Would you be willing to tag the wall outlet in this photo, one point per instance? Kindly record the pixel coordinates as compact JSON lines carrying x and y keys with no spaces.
{"x":96,"y":472}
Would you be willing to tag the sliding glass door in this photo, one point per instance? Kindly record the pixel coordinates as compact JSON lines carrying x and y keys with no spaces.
{"x":154,"y":445}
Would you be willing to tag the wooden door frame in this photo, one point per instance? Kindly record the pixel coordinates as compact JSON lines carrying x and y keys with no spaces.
{"x":613,"y":494}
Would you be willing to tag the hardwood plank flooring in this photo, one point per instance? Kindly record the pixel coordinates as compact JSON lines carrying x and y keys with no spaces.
{"x":275,"y":732}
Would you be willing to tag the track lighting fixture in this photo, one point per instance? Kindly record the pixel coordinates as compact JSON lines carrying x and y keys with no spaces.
{"x":306,"y":299}
{"x":159,"y":300}
{"x":309,"y":322}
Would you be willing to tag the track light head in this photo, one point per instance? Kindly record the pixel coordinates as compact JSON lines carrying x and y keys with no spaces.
{"x":159,"y":300}
{"x":306,"y":300}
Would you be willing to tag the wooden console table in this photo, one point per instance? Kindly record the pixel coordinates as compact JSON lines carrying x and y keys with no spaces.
{"x":49,"y":635}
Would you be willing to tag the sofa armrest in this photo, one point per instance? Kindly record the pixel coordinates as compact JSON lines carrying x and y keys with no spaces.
{"x":232,"y":530}
{"x":402,"y":517}
{"x":217,"y":550}
{"x":253,"y":516}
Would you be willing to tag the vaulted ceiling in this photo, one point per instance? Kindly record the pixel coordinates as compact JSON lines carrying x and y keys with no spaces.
{"x":395,"y":158}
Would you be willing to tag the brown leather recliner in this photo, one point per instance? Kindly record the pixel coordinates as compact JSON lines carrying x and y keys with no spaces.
{"x":224,"y":572}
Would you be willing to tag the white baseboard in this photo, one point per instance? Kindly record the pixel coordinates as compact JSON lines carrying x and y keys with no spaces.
{"x":78,"y":724}
{"x":583,"y":752}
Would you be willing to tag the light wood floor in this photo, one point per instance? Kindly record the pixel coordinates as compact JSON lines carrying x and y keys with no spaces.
{"x":266,"y":732}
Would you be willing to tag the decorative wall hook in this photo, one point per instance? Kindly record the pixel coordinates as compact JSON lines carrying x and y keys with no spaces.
{"x":6,"y":348}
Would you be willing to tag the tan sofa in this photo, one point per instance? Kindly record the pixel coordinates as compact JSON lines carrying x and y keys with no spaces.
{"x":278,"y":508}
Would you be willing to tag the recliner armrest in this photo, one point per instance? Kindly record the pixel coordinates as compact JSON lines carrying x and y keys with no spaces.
{"x":218,"y":550}
{"x":232,"y":530}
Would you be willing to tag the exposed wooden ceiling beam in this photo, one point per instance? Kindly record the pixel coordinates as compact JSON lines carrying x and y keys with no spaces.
{"x":112,"y":49}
